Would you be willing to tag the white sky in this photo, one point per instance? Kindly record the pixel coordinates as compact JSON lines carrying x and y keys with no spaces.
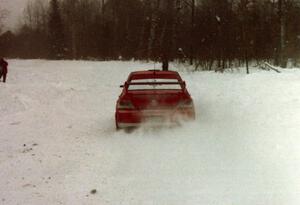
{"x":15,"y":8}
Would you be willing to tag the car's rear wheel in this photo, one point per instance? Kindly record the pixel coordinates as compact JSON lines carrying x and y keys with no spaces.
{"x":117,"y":126}
{"x":116,"y":122}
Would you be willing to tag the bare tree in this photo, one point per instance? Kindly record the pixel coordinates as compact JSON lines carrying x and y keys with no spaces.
{"x":244,"y":31}
{"x":154,"y":20}
{"x":3,"y":14}
{"x":282,"y":22}
{"x":167,"y":43}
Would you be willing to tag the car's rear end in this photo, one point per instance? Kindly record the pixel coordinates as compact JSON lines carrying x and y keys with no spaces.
{"x":153,"y":96}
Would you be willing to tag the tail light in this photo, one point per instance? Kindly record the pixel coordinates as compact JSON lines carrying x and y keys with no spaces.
{"x":186,"y":104}
{"x":125,"y":105}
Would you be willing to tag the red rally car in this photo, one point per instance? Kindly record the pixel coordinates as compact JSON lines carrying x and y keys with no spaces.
{"x":155,"y":96}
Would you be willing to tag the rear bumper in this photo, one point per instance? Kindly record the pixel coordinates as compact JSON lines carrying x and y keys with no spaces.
{"x":133,"y":118}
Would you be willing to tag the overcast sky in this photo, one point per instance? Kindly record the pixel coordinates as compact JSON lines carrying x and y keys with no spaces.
{"x":15,"y":8}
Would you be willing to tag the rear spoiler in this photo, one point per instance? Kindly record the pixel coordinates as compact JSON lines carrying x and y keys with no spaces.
{"x":155,"y":83}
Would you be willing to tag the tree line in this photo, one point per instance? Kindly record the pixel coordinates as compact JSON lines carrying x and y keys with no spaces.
{"x":211,"y":34}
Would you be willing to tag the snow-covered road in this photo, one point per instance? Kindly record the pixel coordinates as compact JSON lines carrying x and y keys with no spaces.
{"x":58,"y":141}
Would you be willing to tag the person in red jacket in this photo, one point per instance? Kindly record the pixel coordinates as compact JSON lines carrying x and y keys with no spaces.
{"x":3,"y":69}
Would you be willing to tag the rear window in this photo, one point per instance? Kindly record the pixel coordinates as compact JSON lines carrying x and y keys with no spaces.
{"x":154,"y":84}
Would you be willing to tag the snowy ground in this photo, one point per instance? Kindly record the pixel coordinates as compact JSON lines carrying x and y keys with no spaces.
{"x":58,"y":141}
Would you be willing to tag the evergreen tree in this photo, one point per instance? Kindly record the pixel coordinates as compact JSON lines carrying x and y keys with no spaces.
{"x":56,"y":33}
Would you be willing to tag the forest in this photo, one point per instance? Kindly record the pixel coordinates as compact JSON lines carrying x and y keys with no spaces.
{"x":210,"y":34}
